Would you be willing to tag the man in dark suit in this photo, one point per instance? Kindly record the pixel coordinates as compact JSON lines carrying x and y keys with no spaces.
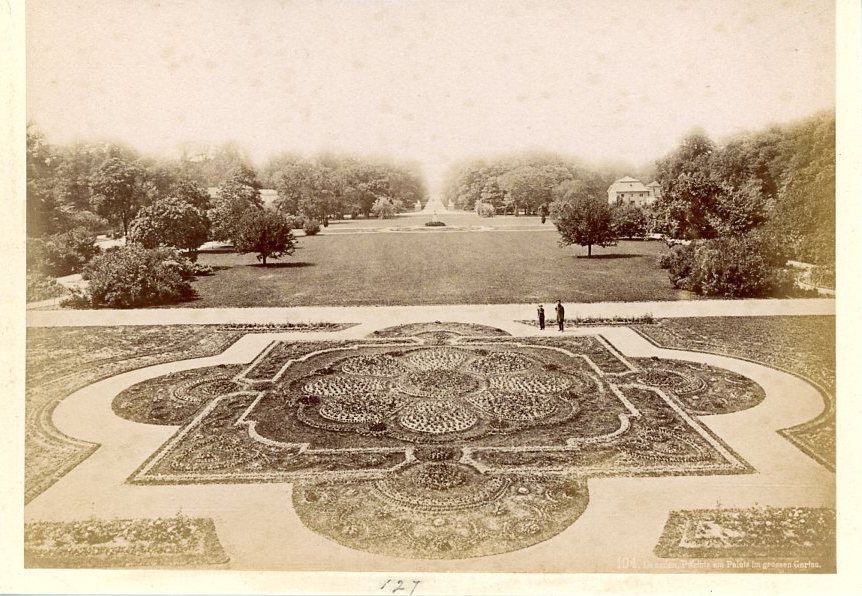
{"x":541,"y":312}
{"x":561,"y":314}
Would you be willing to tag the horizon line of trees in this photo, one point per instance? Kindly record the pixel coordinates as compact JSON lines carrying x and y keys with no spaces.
{"x":98,"y":186}
{"x":778,"y":182}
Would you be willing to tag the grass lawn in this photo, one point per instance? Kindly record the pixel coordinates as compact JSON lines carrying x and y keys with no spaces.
{"x":464,"y":218}
{"x":437,"y":267}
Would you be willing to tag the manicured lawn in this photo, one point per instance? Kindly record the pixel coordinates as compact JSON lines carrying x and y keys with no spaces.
{"x":465,"y":218}
{"x":438,"y":267}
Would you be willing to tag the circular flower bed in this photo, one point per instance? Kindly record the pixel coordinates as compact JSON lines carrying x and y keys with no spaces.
{"x":346,"y":386}
{"x":438,"y":384}
{"x":376,"y":365}
{"x":547,"y":382}
{"x":350,"y":410}
{"x":435,"y":417}
{"x":500,"y":363}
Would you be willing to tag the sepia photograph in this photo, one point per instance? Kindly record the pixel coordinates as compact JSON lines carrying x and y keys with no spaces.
{"x":422,"y":287}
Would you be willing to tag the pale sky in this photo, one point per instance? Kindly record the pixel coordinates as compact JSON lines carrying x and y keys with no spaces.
{"x":422,"y":80}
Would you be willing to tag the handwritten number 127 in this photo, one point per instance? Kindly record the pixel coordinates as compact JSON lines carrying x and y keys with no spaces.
{"x":397,"y":585}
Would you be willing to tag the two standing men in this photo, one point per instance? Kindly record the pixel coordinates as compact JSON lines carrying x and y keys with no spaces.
{"x":561,"y":315}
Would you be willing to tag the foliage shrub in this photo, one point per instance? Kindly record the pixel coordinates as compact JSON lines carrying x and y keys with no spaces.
{"x":383,"y":208}
{"x":664,"y":260}
{"x":296,"y":222}
{"x":311,"y":227}
{"x":200,"y":269}
{"x":42,"y":287}
{"x":133,"y":276}
{"x":77,"y":218}
{"x":62,"y":254}
{"x":823,"y":276}
{"x":732,"y":266}
{"x":485,"y":209}
{"x":434,"y":224}
{"x":679,"y":266}
{"x":170,"y":222}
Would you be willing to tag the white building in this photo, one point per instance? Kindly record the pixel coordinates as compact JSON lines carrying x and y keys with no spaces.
{"x":632,"y":191}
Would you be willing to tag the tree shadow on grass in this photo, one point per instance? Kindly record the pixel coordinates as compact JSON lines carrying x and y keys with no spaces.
{"x":291,"y":265}
{"x":610,"y":256}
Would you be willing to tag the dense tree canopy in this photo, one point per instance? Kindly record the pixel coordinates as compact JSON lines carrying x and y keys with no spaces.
{"x":237,"y":195}
{"x":117,"y":193}
{"x":266,"y":233}
{"x":781,"y":180}
{"x":518,"y":184}
{"x":583,"y":220}
{"x":332,"y":186}
{"x":170,"y":222}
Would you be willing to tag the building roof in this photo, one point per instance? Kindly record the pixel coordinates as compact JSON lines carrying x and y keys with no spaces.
{"x":627,"y":184}
{"x":654,"y":184}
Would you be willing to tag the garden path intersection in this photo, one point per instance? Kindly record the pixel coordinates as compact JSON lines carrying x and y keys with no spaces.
{"x":478,"y":444}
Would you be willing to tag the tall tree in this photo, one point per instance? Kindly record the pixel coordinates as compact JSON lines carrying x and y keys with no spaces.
{"x":116,"y":194}
{"x":585,"y":221}
{"x":689,"y":191}
{"x":237,"y":195}
{"x":170,"y":222}
{"x":41,"y":202}
{"x":191,"y":192}
{"x":266,"y":233}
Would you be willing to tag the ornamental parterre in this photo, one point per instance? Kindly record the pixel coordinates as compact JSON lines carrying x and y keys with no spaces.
{"x":454,"y":442}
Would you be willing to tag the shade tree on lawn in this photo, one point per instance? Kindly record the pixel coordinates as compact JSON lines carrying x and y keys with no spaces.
{"x":583,"y":220}
{"x":239,"y":193}
{"x":265,"y":232}
{"x":170,"y":222}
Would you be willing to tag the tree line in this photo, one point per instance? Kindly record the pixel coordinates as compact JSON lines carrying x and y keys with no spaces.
{"x":97,"y":185}
{"x":778,"y":182}
{"x":520,"y":183}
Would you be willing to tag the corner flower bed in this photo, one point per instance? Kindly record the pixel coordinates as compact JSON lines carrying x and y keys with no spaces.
{"x":161,"y":542}
{"x":757,"y":532}
{"x":801,"y":345}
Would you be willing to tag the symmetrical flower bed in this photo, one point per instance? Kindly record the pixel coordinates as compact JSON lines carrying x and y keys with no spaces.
{"x":61,"y":360}
{"x":161,"y":542}
{"x":447,"y":443}
{"x":174,"y":398}
{"x":802,"y":534}
{"x":804,"y":346}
